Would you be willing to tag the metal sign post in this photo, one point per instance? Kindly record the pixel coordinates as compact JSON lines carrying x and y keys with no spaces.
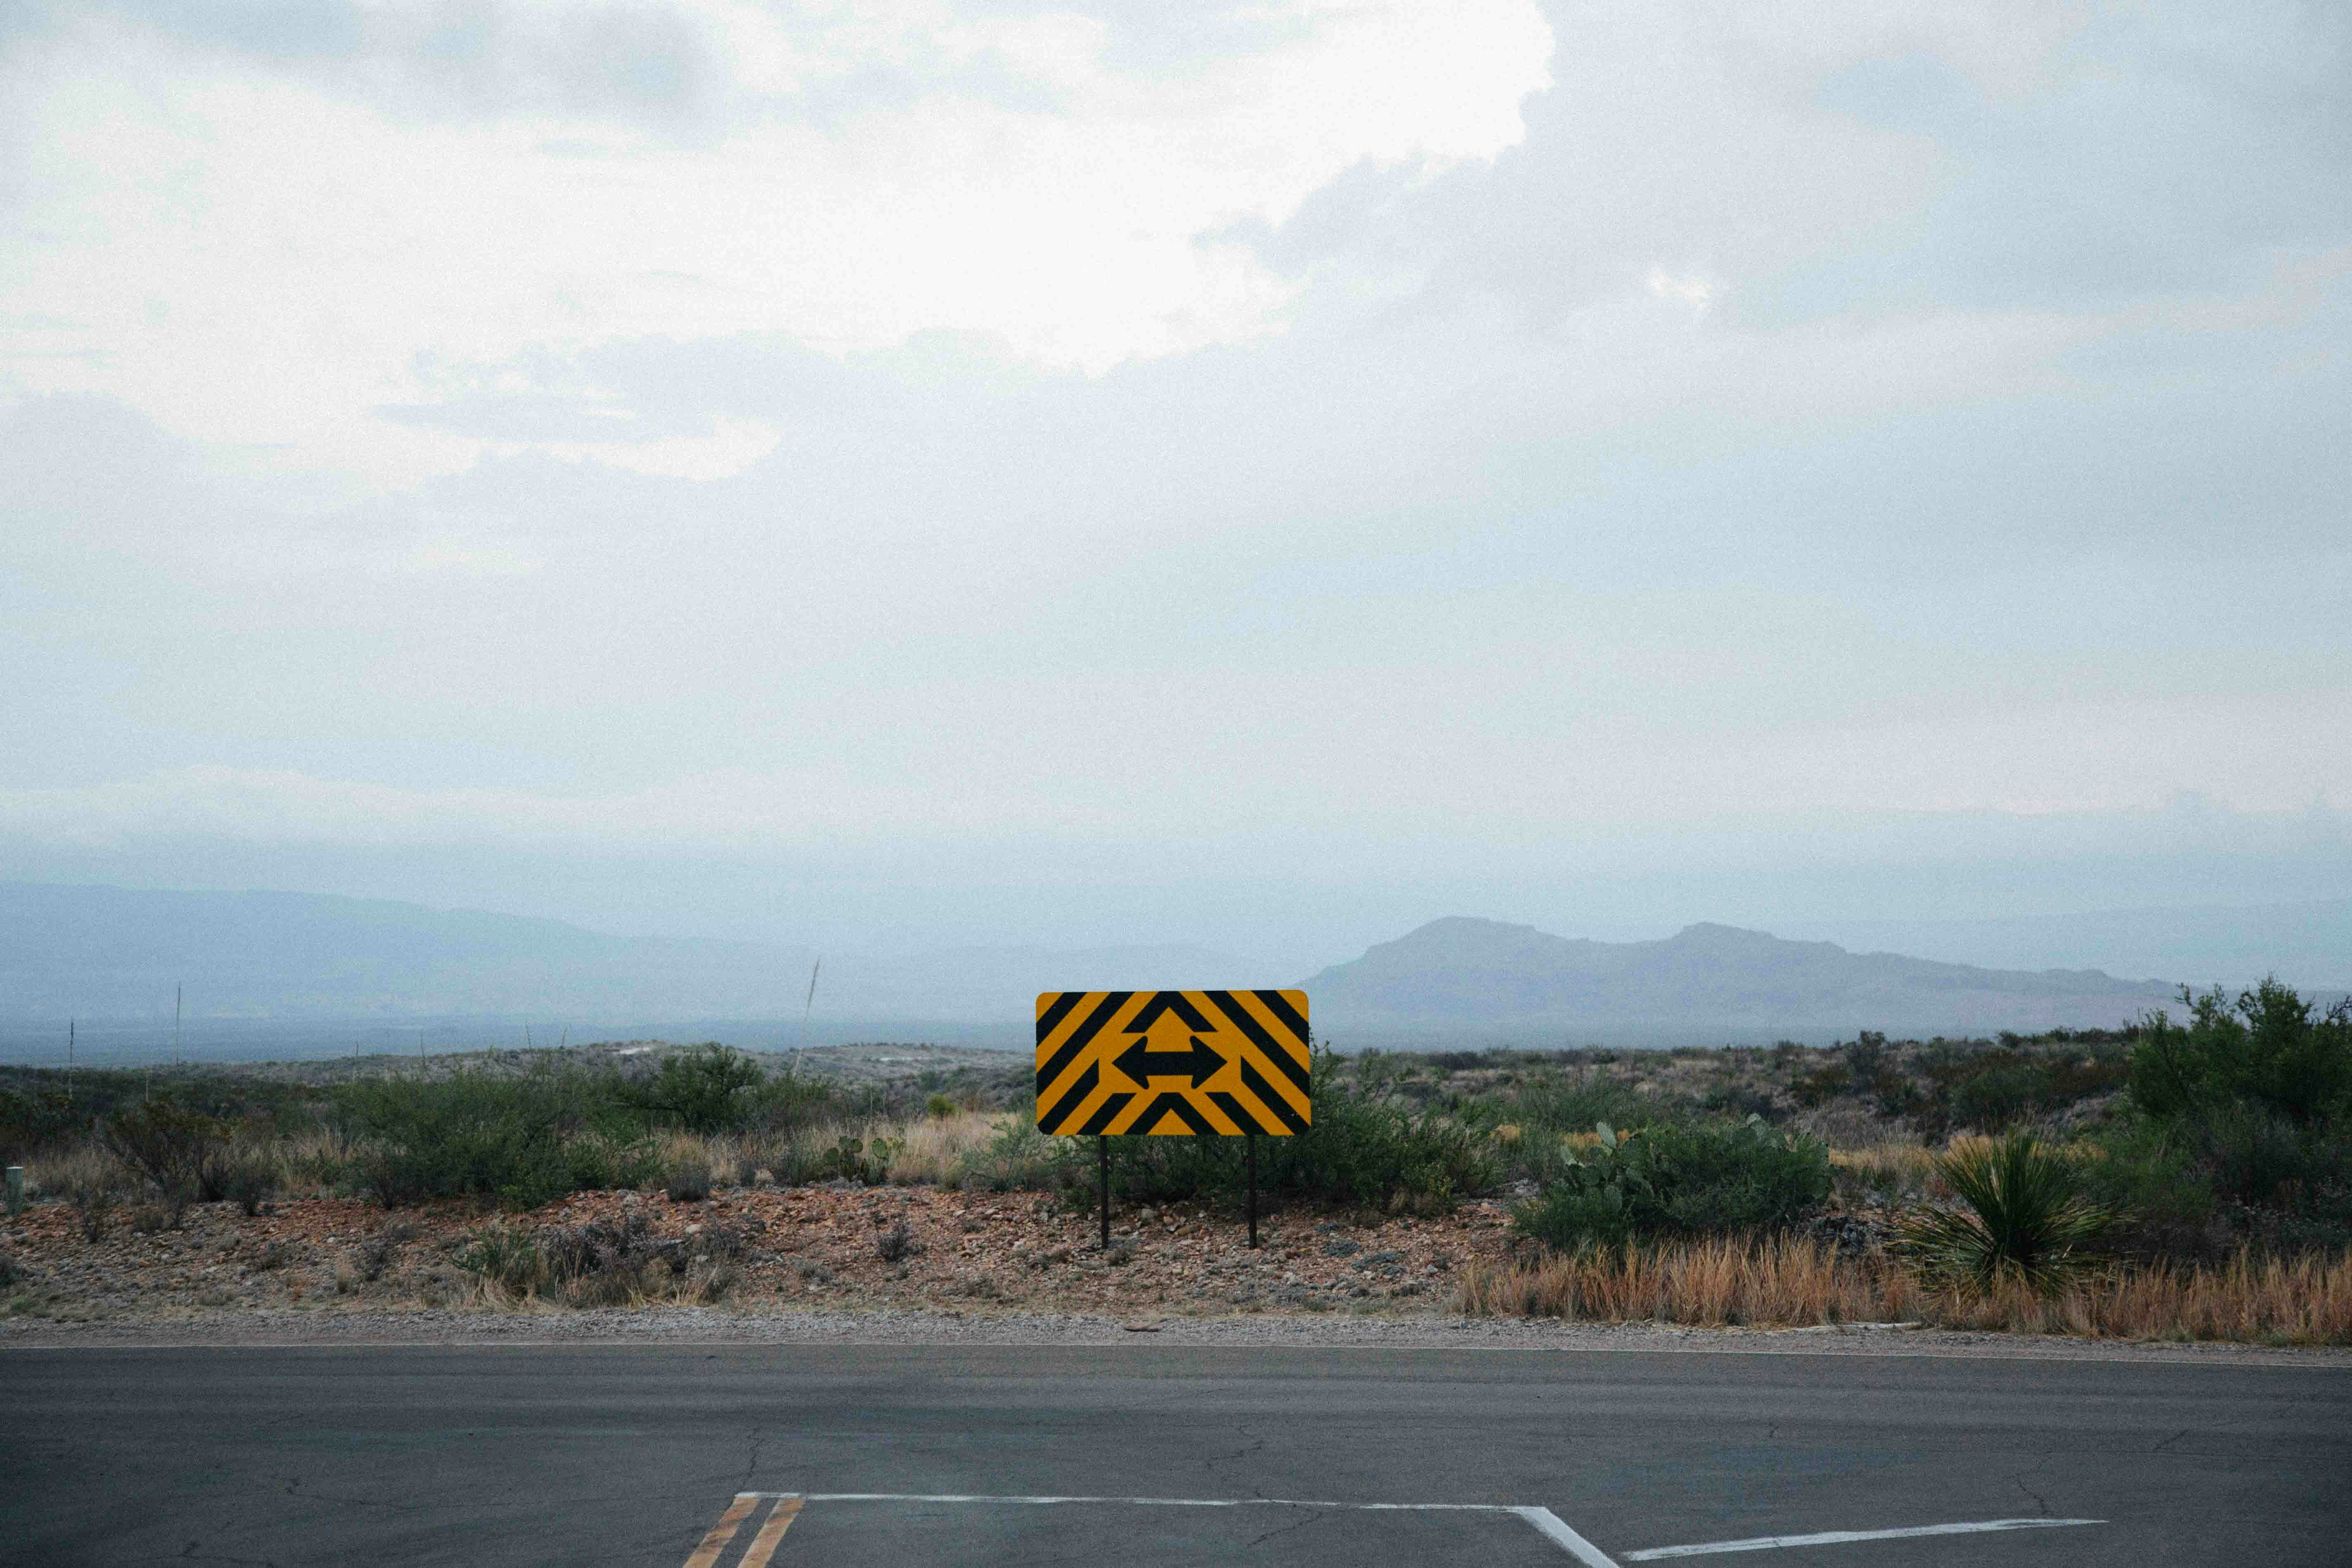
{"x":1253,"y":1186}
{"x":1173,"y":1064}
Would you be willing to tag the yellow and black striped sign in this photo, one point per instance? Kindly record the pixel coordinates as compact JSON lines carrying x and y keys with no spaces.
{"x":1198,"y":1063}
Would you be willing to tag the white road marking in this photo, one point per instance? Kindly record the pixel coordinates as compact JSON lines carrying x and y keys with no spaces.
{"x":1835,"y":1537}
{"x":1549,"y":1525}
{"x":1554,"y":1528}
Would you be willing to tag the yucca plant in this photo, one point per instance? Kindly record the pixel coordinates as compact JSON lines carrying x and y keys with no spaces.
{"x":2027,"y":1220}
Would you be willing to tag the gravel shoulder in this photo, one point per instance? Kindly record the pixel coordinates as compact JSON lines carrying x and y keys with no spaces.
{"x":673,"y":1325}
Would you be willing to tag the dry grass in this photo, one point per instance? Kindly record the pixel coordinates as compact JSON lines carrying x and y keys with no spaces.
{"x":935,"y":1145}
{"x":1784,"y":1282}
{"x":84,"y":1168}
{"x":1794,"y":1283}
{"x":1887,"y":1173}
{"x":928,"y":1148}
{"x":2303,"y":1300}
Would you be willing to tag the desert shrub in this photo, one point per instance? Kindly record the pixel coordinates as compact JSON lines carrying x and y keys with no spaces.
{"x":896,"y":1244}
{"x":789,"y":1101}
{"x":37,"y":1117}
{"x":1557,"y":1103}
{"x":708,"y":1088}
{"x":1367,"y":1143}
{"x":176,"y":1147}
{"x":1019,"y":1158}
{"x":522,"y":1139}
{"x":1822,"y":1085}
{"x":2242,"y":1131}
{"x":2029,"y":1218}
{"x":2199,"y":1188}
{"x":247,"y":1176}
{"x":939,"y":1108}
{"x":616,"y":1263}
{"x":1678,"y":1179}
{"x":503,"y":1256}
{"x":2000,"y":1095}
{"x":2263,"y":1049}
{"x":93,"y":1206}
{"x":688,"y":1180}
{"x":377,"y":1253}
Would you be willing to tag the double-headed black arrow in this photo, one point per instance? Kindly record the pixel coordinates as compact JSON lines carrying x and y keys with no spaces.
{"x":1197,"y":1061}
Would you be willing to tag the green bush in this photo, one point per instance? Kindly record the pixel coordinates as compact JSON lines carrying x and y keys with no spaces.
{"x":248,"y":1177}
{"x":506,"y":1256}
{"x":179,"y":1149}
{"x":2264,"y":1048}
{"x":1367,"y":1145}
{"x":2030,"y":1217}
{"x":522,"y":1139}
{"x":2244,"y":1126}
{"x":2003,"y":1094}
{"x":1679,"y":1179}
{"x":1019,"y":1158}
{"x":38,"y":1117}
{"x":708,"y":1088}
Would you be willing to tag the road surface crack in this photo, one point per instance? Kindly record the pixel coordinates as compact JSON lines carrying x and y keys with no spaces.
{"x":1307,"y":1516}
{"x":189,"y":1555}
{"x":750,"y":1462}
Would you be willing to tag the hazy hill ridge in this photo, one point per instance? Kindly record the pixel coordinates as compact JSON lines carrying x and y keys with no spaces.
{"x":115,"y":952}
{"x":118,"y":952}
{"x":1491,"y":978}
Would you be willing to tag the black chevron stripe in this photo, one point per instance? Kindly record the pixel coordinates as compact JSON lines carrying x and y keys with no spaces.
{"x":1275,"y":1003}
{"x":1105,"y":1114}
{"x":1284,"y":1062}
{"x":1074,"y":1096}
{"x":1235,"y":1112}
{"x":1186,"y":1111}
{"x":1174,"y":1002}
{"x":1051,"y":1018}
{"x":1080,"y":1037}
{"x":1272,"y":1099}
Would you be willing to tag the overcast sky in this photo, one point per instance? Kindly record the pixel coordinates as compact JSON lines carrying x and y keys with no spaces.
{"x":934,"y":472}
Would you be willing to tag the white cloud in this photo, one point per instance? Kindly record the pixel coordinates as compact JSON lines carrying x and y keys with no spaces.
{"x":262,"y":256}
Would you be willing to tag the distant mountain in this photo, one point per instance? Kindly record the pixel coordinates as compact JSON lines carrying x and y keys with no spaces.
{"x":313,"y":972}
{"x":2307,"y":944}
{"x":1462,"y":978}
{"x":117,"y":952}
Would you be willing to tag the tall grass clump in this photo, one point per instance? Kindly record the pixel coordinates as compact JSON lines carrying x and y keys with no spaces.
{"x":1779,"y":1281}
{"x":1789,"y":1282}
{"x":2029,"y":1218}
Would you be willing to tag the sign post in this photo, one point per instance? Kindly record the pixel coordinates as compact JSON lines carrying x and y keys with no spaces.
{"x":1197,"y":1064}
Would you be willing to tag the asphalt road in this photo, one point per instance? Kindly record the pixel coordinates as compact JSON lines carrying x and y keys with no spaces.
{"x":630,"y":1456}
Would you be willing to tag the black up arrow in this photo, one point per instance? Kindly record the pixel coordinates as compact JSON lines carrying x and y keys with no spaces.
{"x":1196,"y":1062}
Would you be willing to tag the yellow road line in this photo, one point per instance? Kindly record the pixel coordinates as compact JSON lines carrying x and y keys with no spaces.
{"x":763,"y":1545}
{"x":723,"y":1531}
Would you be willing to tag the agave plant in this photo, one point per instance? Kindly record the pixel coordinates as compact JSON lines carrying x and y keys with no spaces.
{"x":2027,"y":1219}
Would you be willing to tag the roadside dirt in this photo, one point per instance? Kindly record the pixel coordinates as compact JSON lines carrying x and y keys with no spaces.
{"x":807,"y":1265}
{"x":838,"y":1246}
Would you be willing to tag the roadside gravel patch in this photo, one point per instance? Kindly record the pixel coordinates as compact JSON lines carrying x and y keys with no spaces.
{"x":667,"y":1325}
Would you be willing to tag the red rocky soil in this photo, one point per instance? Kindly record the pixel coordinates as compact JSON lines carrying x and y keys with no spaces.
{"x":836,"y":1248}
